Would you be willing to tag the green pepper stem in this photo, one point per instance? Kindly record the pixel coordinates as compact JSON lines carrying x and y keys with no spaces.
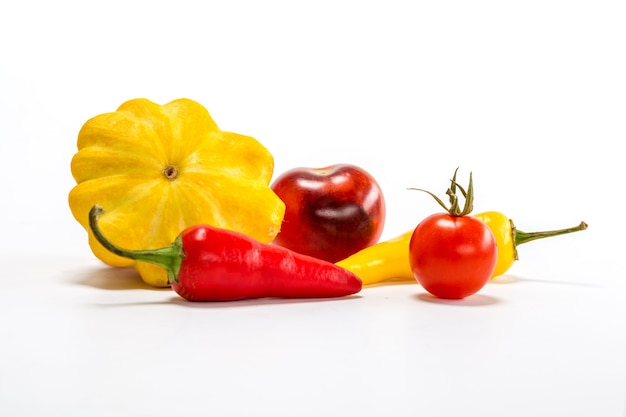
{"x":523,"y":237}
{"x":169,"y":257}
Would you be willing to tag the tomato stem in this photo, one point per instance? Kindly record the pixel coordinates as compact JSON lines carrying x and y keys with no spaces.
{"x":523,"y":237}
{"x":455,"y":209}
{"x":468,"y":195}
{"x":169,"y":257}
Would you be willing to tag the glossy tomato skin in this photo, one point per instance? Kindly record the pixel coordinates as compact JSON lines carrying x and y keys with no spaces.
{"x":452,"y":257}
{"x":331,"y":212}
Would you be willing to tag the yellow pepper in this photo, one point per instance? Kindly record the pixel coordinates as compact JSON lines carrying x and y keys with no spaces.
{"x":389,"y":260}
{"x":382,"y":261}
{"x":508,"y":238}
{"x":157,"y":169}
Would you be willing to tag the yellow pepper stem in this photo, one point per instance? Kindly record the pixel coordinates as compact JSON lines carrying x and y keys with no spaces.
{"x":523,"y":237}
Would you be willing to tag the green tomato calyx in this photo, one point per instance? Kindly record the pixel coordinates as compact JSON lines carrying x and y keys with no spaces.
{"x":455,"y":209}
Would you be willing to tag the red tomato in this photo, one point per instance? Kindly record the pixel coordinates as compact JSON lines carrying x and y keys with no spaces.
{"x":452,"y":256}
{"x":332,"y":212}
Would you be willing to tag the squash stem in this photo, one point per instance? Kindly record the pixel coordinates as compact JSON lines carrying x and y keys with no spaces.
{"x":169,"y":257}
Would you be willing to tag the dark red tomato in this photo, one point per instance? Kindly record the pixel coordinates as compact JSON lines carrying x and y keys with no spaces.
{"x":332,"y":212}
{"x":452,"y":256}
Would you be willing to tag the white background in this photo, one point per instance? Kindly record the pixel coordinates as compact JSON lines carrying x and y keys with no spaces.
{"x":529,"y":96}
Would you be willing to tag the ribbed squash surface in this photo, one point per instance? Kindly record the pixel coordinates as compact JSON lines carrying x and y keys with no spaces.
{"x":157,"y":169}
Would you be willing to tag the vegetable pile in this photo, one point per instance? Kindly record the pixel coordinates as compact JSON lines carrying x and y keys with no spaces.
{"x":161,"y":189}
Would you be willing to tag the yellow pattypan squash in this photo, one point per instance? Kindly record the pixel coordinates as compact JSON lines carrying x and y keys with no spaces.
{"x":157,"y":169}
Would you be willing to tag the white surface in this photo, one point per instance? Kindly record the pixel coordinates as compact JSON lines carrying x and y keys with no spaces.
{"x":528,"y":96}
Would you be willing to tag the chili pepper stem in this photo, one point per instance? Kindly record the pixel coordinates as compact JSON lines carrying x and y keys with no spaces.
{"x":520,"y":237}
{"x":169,"y":258}
{"x":523,"y":237}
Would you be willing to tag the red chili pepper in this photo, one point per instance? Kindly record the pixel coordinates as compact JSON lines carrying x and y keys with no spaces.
{"x":206,"y":263}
